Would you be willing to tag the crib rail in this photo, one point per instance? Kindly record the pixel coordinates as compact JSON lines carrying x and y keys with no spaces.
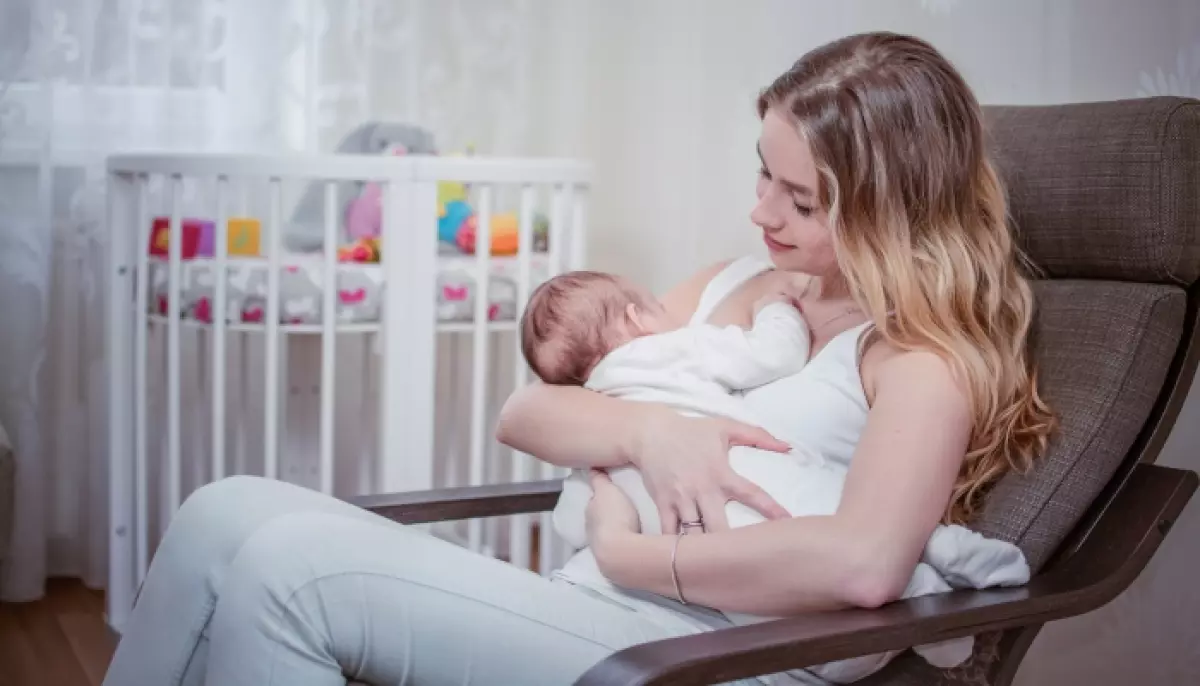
{"x":183,"y":415}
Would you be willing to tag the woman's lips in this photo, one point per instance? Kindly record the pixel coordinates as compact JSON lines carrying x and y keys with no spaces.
{"x":775,"y":246}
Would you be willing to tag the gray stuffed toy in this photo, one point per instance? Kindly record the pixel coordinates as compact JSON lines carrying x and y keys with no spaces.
{"x":305,"y":231}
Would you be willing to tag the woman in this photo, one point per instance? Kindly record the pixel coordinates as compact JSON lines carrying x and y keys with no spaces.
{"x":876,"y":191}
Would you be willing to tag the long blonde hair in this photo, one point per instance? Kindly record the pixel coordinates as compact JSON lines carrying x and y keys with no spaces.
{"x":920,"y":226}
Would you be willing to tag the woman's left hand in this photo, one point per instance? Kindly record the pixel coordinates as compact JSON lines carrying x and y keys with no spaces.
{"x":610,"y":511}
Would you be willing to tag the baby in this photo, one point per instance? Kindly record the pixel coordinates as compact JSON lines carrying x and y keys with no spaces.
{"x":612,"y":336}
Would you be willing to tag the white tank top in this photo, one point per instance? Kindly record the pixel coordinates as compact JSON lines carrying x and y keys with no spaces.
{"x":823,"y":407}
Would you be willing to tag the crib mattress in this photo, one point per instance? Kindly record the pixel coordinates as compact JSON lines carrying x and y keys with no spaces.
{"x":360,"y":289}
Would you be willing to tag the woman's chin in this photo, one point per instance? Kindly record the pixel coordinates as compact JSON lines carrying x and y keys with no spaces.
{"x":788,"y":261}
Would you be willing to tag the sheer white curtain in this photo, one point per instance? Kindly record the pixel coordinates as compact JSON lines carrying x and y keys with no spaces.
{"x":80,"y":79}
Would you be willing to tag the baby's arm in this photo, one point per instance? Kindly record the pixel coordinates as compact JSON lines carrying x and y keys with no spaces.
{"x":777,"y":345}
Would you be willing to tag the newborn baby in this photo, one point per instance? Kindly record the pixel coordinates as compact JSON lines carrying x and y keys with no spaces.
{"x":614,"y":337}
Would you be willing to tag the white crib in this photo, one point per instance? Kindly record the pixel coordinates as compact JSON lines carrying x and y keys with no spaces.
{"x":344,"y":404}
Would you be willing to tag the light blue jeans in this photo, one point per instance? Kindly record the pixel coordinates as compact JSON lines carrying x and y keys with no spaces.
{"x":259,"y":582}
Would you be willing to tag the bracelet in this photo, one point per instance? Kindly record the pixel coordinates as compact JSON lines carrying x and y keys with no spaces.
{"x":674,"y":572}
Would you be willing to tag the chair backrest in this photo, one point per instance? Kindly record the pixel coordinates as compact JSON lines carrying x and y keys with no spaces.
{"x":1105,"y":199}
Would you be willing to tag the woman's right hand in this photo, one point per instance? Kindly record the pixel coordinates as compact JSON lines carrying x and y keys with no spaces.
{"x":684,"y":462}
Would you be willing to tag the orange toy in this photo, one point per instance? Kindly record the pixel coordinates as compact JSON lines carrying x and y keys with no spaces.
{"x":503,"y":230}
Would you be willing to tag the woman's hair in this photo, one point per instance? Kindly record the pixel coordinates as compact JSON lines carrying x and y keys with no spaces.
{"x":920,"y":228}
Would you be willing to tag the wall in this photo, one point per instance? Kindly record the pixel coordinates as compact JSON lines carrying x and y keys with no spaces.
{"x":670,"y":123}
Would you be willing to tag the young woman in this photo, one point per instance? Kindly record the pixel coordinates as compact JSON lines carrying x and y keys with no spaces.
{"x":876,"y":189}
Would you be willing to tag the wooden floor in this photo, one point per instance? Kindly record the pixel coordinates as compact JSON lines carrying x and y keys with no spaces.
{"x":60,"y":640}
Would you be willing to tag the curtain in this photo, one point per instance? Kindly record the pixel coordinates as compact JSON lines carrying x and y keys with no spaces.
{"x":80,"y":79}
{"x":658,"y":94}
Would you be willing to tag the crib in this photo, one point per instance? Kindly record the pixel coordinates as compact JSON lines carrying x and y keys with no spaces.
{"x":385,"y":376}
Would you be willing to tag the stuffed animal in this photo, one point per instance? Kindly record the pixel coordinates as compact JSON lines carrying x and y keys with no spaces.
{"x":305,"y":230}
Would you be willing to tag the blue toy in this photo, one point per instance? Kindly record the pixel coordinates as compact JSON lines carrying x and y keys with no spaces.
{"x":454,"y":216}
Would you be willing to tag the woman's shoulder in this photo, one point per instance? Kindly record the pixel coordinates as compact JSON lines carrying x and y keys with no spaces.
{"x":886,"y":368}
{"x":685,"y":297}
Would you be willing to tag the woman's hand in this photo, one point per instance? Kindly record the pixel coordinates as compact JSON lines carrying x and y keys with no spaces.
{"x":685,"y":465}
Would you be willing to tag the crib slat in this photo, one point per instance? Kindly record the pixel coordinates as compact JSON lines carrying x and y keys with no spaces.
{"x":519,"y":532}
{"x":271,"y":361}
{"x":220,"y":298}
{"x":406,"y":411}
{"x":329,"y":284}
{"x":141,"y":361}
{"x":174,"y":311}
{"x":578,"y":248}
{"x":122,"y":577}
{"x":479,"y":349}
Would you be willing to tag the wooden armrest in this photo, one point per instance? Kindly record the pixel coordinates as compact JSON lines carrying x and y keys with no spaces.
{"x":418,"y":507}
{"x":1111,"y":556}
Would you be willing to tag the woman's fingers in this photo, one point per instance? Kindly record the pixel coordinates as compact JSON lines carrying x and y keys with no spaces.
{"x":712,"y":509}
{"x":668,"y":516}
{"x":748,"y":493}
{"x":754,"y":437}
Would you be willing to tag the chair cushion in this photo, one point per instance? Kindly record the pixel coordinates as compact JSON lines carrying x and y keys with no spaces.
{"x":1103,"y":349}
{"x":1104,"y":190}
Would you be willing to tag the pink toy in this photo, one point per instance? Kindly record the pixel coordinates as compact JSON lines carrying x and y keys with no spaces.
{"x":364,"y":216}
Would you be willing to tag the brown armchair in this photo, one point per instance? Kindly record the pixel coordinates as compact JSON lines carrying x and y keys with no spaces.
{"x":1106,"y":200}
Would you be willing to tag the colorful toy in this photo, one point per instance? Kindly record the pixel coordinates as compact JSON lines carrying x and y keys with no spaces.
{"x":243,"y":236}
{"x":305,"y":230}
{"x":504,"y":235}
{"x":160,"y":236}
{"x":361,"y":250}
{"x":452,"y":219}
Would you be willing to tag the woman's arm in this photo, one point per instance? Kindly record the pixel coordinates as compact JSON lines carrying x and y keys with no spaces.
{"x":572,"y":427}
{"x":896,"y":492}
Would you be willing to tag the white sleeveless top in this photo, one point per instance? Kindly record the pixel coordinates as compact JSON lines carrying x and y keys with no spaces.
{"x":823,"y":407}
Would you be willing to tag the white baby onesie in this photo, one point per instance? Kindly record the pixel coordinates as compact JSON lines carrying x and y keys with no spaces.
{"x":699,"y":370}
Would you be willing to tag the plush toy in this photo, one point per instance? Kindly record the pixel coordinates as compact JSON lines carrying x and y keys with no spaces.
{"x":305,"y":230}
{"x":361,"y":250}
{"x":192,"y":229}
{"x":504,"y":235}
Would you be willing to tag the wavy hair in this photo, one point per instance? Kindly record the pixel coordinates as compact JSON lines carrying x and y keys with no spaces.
{"x":920,"y":227}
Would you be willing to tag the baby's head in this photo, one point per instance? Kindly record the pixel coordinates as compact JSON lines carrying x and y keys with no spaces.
{"x":573,"y":320}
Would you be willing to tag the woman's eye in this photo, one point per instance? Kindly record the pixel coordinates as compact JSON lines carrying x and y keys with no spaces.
{"x":804,"y":210}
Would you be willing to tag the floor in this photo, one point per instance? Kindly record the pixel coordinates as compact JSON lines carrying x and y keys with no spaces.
{"x":60,"y":640}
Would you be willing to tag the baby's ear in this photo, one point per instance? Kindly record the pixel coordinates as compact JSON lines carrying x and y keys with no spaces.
{"x":636,"y":318}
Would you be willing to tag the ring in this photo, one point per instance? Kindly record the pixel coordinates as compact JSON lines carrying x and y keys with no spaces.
{"x":684,"y":526}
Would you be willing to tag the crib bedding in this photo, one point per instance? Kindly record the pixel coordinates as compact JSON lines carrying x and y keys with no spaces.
{"x":360,"y":289}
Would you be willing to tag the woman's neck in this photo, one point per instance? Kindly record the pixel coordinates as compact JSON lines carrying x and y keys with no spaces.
{"x":832,"y":287}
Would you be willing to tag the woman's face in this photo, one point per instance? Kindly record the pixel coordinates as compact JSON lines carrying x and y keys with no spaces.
{"x":795,"y":227}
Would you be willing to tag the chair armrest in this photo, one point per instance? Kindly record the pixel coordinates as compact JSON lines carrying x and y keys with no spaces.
{"x":419,"y":507}
{"x":1111,"y":556}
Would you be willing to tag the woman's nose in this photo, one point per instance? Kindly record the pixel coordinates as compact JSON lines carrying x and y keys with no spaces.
{"x":764,"y":215}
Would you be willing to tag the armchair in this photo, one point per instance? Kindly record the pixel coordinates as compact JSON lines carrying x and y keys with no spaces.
{"x":1105,"y":198}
